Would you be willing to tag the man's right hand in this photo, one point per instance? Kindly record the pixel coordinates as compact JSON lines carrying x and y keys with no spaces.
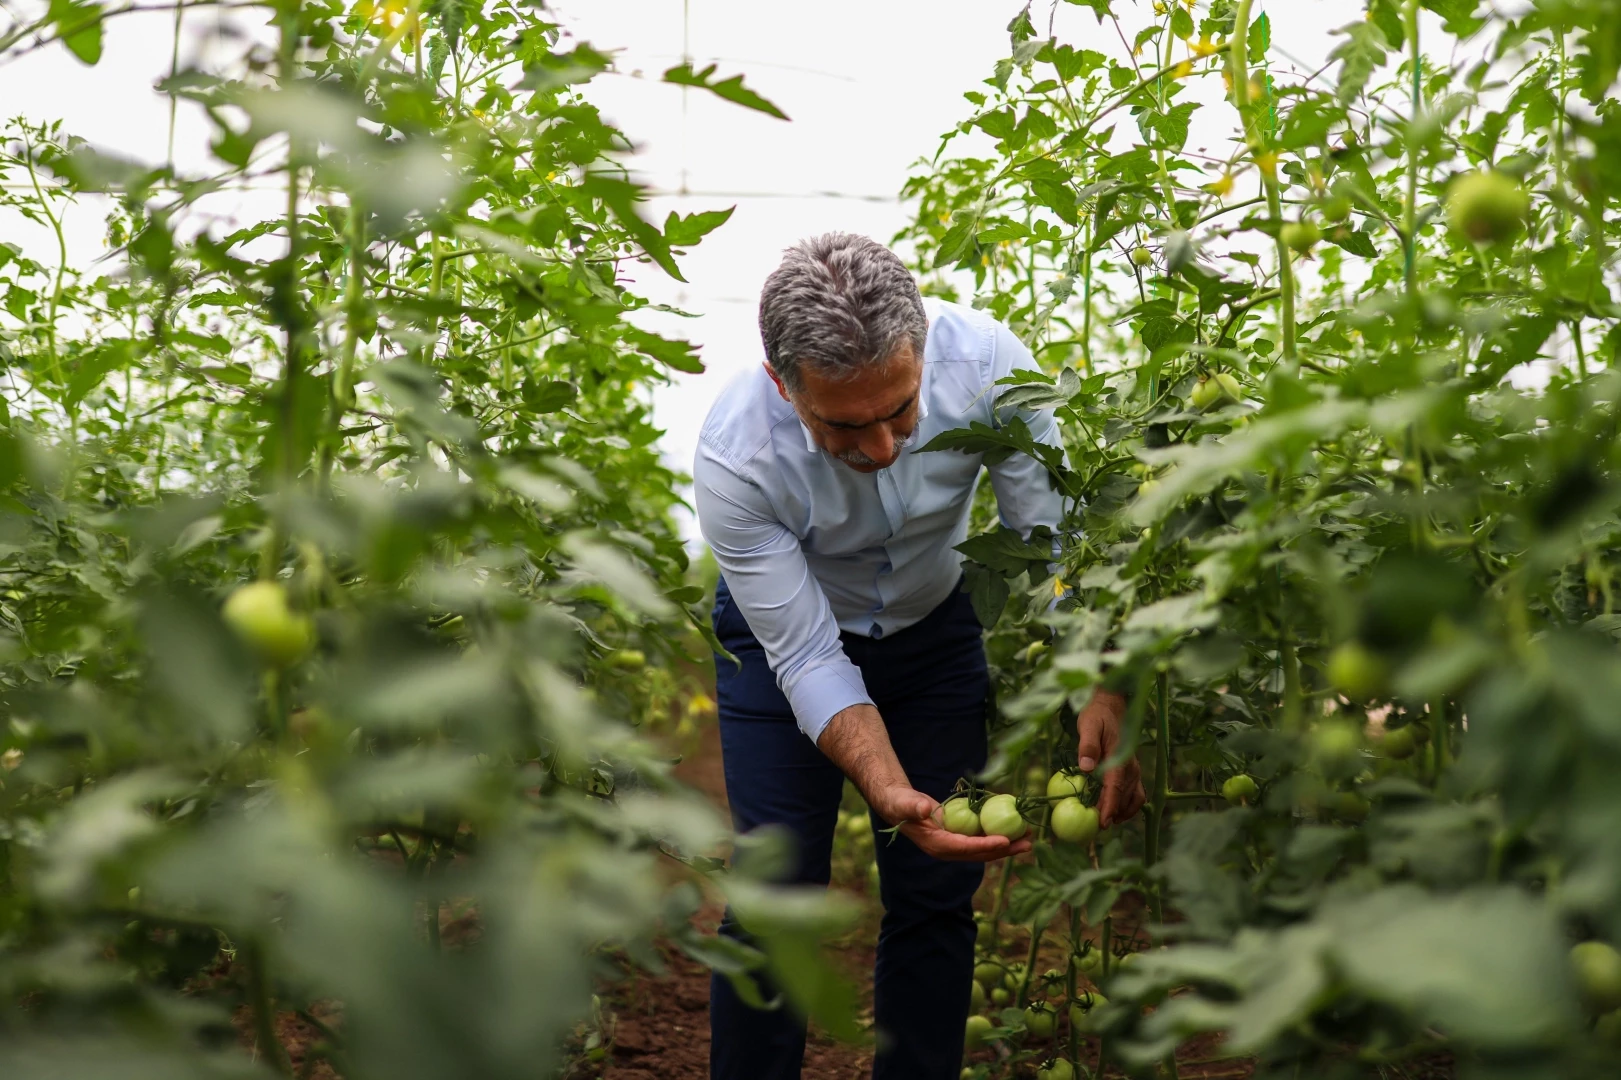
{"x":919,"y":818}
{"x":856,"y":741}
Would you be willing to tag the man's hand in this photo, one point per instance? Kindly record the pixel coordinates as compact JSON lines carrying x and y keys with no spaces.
{"x":1099,"y":728}
{"x":856,"y":741}
{"x":919,"y":819}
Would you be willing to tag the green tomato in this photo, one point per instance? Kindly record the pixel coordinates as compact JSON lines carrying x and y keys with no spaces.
{"x":1300,"y":236}
{"x":1066,"y":782}
{"x":626,"y":659}
{"x":858,"y":825}
{"x":985,"y":930}
{"x":988,"y":974}
{"x":976,"y":998}
{"x":1039,"y":1020}
{"x":1357,"y":671}
{"x":259,"y":614}
{"x":1000,"y":816}
{"x":1056,"y":1069}
{"x":872,"y":877}
{"x":1090,"y":962}
{"x":1000,"y":996}
{"x":1240,"y":789}
{"x":1074,"y":822}
{"x":1141,"y":256}
{"x":1336,"y":208}
{"x":1222,"y":389}
{"x":1351,"y":806}
{"x":1398,"y":743}
{"x":1080,"y":1010}
{"x":974,"y":1033}
{"x":1487,"y":207}
{"x":959,"y":817}
{"x":1336,"y":744}
{"x":1598,"y":974}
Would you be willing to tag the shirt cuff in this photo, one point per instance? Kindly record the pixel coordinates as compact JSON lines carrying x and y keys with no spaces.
{"x":821,"y":693}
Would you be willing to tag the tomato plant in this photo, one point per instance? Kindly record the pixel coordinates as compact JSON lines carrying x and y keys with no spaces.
{"x":1337,"y":381}
{"x":337,"y":571}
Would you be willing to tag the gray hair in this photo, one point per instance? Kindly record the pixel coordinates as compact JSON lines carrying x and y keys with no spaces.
{"x":837,"y":303}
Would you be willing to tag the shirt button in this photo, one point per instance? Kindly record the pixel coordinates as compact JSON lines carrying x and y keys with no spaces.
{"x":877,"y":632}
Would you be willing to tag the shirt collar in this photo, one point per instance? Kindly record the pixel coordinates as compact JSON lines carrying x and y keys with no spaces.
{"x":906,"y":443}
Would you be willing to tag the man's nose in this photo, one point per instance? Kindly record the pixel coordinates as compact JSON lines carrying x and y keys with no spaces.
{"x":879,"y":443}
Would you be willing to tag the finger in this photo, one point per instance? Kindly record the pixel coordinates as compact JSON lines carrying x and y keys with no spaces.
{"x":1089,"y":727}
{"x":1109,"y":803}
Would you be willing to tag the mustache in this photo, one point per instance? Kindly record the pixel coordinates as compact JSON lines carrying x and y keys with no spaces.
{"x":856,"y":457}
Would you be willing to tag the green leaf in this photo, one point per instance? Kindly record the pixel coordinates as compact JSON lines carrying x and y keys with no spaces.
{"x":1260,"y":38}
{"x":731,"y":89}
{"x":684,"y":231}
{"x":1360,"y":54}
{"x":620,"y":196}
{"x":681,"y":355}
{"x":78,"y":26}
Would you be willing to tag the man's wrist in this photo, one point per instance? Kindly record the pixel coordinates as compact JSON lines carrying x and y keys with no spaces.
{"x":856,"y":740}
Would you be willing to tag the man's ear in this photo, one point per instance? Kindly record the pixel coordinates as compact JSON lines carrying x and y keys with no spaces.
{"x":781,"y":389}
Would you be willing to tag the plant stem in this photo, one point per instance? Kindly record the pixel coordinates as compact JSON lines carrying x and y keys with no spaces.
{"x":1036,"y":932}
{"x":1410,"y":211}
{"x":1074,"y":1052}
{"x":343,"y":392}
{"x":286,"y":306}
{"x":263,"y":1005}
{"x":1153,"y":820}
{"x":1238,"y":66}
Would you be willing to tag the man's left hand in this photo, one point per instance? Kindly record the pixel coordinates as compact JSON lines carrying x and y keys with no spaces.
{"x":1098,"y":726}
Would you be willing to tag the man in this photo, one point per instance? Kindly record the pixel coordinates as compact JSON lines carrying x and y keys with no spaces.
{"x":858,"y":653}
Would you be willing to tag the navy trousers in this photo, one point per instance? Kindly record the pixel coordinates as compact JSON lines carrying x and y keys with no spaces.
{"x":930,"y":684}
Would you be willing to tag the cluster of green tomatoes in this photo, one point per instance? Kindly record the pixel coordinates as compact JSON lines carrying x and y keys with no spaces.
{"x":976,"y":813}
{"x":996,"y":981}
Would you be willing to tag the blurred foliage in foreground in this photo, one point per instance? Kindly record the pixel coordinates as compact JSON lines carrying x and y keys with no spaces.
{"x":410,"y":407}
{"x":1353,"y":577}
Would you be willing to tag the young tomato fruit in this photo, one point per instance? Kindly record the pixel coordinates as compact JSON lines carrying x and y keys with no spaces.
{"x":1240,"y":789}
{"x":1598,"y":974}
{"x":1039,"y":1020}
{"x":1000,"y":817}
{"x":1074,"y":822}
{"x":1487,"y":207}
{"x":1223,"y":389}
{"x":1056,"y":1069}
{"x":259,"y":614}
{"x":1080,"y":1010}
{"x":958,"y":817}
{"x":974,"y":1033}
{"x":1300,"y":236}
{"x":1066,"y":782}
{"x":1398,"y":743}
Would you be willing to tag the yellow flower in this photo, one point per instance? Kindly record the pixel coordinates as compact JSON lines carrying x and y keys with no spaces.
{"x":1267,"y":160}
{"x":1182,"y":70}
{"x":1221,"y":186}
{"x":1058,"y":588}
{"x":700,"y":704}
{"x":1203,"y":47}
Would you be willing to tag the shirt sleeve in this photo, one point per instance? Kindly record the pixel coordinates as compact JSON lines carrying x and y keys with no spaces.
{"x":1025,"y":495}
{"x":772,"y":585}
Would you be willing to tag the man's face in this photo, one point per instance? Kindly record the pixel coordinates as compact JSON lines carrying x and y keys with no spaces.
{"x":862,"y":419}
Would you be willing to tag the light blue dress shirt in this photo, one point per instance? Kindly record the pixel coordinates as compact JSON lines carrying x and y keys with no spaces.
{"x":810,"y":547}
